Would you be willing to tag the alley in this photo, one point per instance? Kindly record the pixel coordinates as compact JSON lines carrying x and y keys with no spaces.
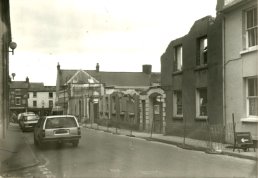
{"x":102,"y":154}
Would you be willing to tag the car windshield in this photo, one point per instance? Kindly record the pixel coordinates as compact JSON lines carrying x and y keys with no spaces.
{"x":32,"y":117}
{"x":60,"y":122}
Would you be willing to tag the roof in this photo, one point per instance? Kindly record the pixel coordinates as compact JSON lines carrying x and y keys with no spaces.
{"x":19,"y":85}
{"x":31,"y":86}
{"x":112,"y":78}
{"x":39,"y":87}
{"x":228,"y":5}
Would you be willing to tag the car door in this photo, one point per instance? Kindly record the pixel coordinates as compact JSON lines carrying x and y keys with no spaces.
{"x":38,"y":127}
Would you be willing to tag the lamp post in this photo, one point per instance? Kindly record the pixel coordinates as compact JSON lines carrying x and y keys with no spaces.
{"x":43,"y":105}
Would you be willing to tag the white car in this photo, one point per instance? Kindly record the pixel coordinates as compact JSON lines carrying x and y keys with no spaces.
{"x":28,"y":122}
{"x":58,"y":129}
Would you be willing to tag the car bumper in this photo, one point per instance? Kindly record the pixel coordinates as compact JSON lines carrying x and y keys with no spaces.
{"x":60,"y":139}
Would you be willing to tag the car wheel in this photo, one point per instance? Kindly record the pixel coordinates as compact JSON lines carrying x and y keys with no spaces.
{"x":75,"y":143}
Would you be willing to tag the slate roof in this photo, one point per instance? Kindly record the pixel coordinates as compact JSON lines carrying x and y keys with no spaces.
{"x":32,"y":86}
{"x":18,"y":85}
{"x":114,"y":78}
{"x":41,"y":88}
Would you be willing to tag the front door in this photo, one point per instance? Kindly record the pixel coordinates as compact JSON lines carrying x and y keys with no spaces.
{"x":157,"y":117}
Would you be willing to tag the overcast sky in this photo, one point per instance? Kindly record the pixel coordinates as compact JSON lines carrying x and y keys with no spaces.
{"x":120,"y":35}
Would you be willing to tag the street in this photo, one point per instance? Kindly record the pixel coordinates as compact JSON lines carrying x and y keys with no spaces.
{"x":102,"y":154}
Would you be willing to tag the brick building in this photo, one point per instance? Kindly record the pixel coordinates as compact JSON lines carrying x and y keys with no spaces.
{"x":192,"y":75}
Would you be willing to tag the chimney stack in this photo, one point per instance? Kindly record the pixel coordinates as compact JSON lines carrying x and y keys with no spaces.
{"x":146,"y":69}
{"x":97,"y":67}
{"x":27,"y":80}
{"x":58,"y":66}
{"x":220,"y":5}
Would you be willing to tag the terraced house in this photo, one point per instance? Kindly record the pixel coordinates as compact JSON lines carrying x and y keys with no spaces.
{"x":192,"y":75}
{"x":240,"y":63}
{"x":210,"y":75}
{"x":5,"y":41}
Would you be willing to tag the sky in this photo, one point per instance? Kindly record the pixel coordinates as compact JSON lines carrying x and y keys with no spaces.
{"x":120,"y":35}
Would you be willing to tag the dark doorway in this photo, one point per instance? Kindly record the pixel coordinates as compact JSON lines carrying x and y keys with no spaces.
{"x":157,"y":115}
{"x":143,"y":114}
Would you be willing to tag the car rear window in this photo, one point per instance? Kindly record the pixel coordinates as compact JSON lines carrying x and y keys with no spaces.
{"x":32,"y":117}
{"x":60,"y":122}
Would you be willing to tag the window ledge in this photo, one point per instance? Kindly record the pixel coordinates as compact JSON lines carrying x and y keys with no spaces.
{"x":251,"y":49}
{"x":204,"y":118}
{"x":177,"y":72}
{"x":201,"y":67}
{"x":178,"y":117}
{"x":250,"y":119}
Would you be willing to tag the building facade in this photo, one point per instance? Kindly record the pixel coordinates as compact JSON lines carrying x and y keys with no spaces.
{"x":107,"y":97}
{"x":5,"y":39}
{"x":26,"y":96}
{"x":41,"y":99}
{"x":19,"y":96}
{"x":191,"y":75}
{"x":240,"y":64}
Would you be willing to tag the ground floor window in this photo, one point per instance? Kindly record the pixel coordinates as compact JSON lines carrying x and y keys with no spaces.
{"x":252,"y":97}
{"x":18,"y":100}
{"x":201,"y":102}
{"x":178,"y":104}
{"x":34,"y":103}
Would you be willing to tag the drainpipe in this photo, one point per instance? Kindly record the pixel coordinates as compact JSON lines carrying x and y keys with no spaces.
{"x":223,"y":72}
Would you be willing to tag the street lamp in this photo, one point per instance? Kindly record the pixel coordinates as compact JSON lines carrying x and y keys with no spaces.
{"x":12,"y":45}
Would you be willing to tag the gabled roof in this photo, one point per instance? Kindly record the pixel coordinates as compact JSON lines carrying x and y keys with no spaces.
{"x":113,"y":78}
{"x":82,"y":76}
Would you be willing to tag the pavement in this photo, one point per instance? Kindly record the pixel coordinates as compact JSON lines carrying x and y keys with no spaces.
{"x":15,"y":151}
{"x":15,"y":146}
{"x":185,"y":143}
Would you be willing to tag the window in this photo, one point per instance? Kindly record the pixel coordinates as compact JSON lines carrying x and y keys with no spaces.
{"x":18,"y":91}
{"x":50,"y":103}
{"x":178,"y":105}
{"x":60,"y":122}
{"x":252,"y":97}
{"x":202,"y":51}
{"x":50,"y":94}
{"x":34,"y":94}
{"x":178,"y":58}
{"x":201,"y":102}
{"x":107,"y":107}
{"x":113,"y":104}
{"x":18,"y":100}
{"x":34,"y":103}
{"x":251,"y":27}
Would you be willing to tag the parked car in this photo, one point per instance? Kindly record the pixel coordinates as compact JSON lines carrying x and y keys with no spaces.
{"x":24,"y":113}
{"x":58,"y":129}
{"x":28,"y":122}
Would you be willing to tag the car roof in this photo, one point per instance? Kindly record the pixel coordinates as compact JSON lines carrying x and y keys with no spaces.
{"x":27,"y":113}
{"x":56,"y":116}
